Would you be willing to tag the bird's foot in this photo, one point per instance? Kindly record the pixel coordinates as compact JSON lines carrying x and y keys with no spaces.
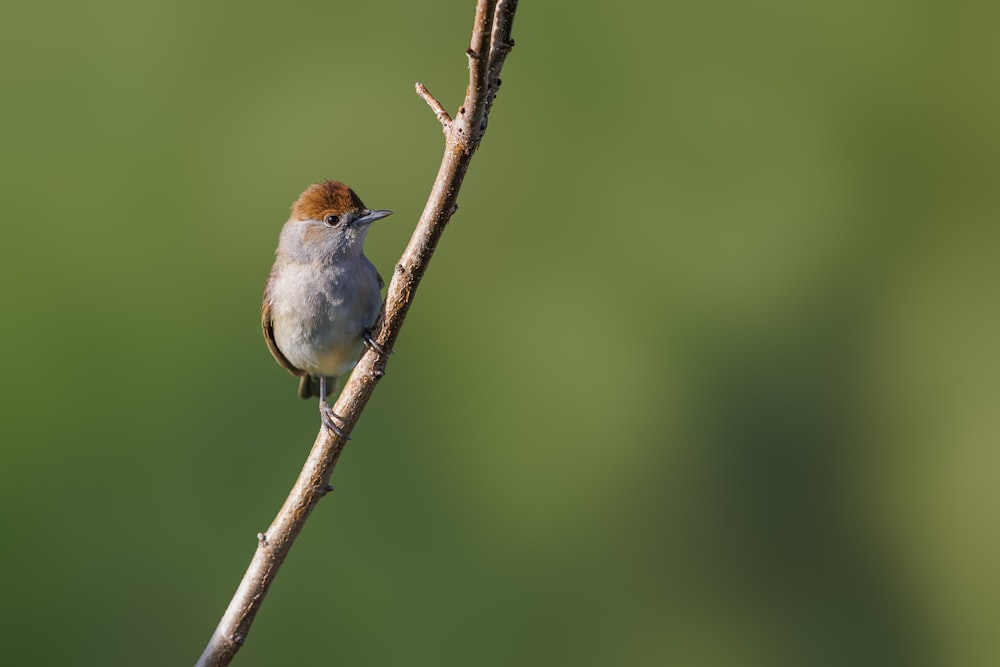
{"x":370,"y":342}
{"x":327,"y":415}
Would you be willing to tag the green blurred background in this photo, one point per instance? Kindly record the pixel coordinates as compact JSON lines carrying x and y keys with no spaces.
{"x":705,"y":370}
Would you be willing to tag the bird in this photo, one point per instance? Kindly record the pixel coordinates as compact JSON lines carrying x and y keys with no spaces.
{"x":322,"y":295}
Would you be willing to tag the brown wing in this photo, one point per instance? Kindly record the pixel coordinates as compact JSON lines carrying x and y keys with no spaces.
{"x":268,"y":326}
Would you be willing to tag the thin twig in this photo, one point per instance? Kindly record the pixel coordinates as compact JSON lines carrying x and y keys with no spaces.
{"x":439,"y":110}
{"x":490,"y":44}
{"x":501,"y":44}
{"x":473,"y":112}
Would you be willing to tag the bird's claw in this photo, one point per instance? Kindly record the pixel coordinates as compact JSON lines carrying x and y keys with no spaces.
{"x":370,"y":342}
{"x":327,"y":415}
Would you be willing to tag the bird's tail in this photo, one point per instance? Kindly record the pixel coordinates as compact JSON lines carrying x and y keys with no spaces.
{"x":309,"y":386}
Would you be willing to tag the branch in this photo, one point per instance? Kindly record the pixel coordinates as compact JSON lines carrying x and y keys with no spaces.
{"x":490,"y":45}
{"x":439,"y":110}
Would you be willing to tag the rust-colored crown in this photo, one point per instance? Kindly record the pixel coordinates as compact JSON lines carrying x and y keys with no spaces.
{"x":321,"y":199}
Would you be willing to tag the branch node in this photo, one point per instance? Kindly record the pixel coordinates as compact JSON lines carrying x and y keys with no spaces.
{"x":262,"y":540}
{"x":503,"y":46}
{"x":442,"y":114}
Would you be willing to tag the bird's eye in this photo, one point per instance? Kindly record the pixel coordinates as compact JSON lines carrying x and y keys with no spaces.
{"x":332,"y":220}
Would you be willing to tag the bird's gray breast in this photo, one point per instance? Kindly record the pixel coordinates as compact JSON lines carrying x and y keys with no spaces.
{"x":320,"y":311}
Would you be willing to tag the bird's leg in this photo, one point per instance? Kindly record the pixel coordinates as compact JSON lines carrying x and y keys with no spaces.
{"x":366,"y":335}
{"x":326,"y":413}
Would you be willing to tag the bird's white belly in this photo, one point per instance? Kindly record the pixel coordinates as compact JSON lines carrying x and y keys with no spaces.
{"x":319,"y":330}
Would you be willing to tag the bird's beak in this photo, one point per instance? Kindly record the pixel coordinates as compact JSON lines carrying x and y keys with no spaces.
{"x":370,"y":217}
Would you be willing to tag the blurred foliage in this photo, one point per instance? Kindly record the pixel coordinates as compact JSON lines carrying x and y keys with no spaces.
{"x":705,"y":371}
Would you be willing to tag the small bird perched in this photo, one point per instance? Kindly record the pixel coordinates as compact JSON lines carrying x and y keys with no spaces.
{"x":323,"y":294}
